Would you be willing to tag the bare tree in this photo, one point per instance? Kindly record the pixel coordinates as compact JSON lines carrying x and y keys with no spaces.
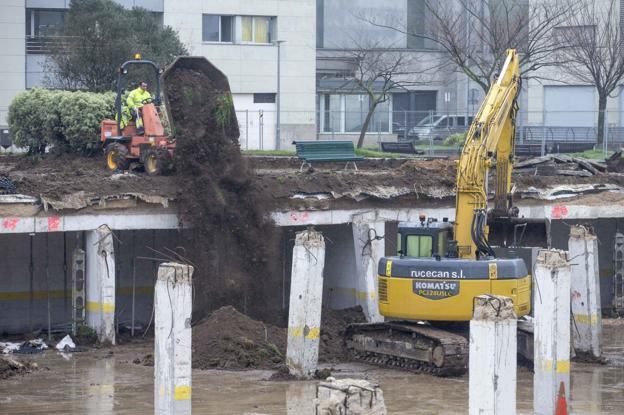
{"x":475,"y":34}
{"x":592,"y":38}
{"x":377,"y":71}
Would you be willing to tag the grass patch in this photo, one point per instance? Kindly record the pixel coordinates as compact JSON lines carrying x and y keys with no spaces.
{"x":592,"y":154}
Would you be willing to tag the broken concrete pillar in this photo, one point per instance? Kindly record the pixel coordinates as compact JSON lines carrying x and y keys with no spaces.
{"x":492,"y":358}
{"x":306,"y":296}
{"x":369,"y":247}
{"x":551,"y":330}
{"x":585,"y":292}
{"x":349,"y":396}
{"x":173,"y":305}
{"x":100,"y":281}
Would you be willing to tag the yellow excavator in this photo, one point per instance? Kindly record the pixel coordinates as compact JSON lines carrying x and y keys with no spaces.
{"x":440,"y":267}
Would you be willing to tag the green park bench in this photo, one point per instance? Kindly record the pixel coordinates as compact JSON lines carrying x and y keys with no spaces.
{"x":326,"y":151}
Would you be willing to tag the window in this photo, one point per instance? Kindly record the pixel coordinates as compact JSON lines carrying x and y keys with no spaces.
{"x":419,"y":246}
{"x":217,"y":28}
{"x":43,"y":22}
{"x":256,"y":29}
{"x":264,"y":98}
{"x":345,"y":113}
{"x":571,"y":36}
{"x":332,"y":113}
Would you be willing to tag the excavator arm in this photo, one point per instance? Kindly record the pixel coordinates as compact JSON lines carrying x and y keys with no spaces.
{"x":489,"y":143}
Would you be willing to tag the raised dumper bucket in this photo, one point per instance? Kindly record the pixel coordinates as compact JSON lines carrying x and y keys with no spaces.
{"x":202,"y":65}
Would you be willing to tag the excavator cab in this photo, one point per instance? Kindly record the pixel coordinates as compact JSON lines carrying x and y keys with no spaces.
{"x":428,"y":239}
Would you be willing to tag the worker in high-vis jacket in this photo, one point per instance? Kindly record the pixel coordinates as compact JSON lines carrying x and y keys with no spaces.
{"x":135,"y":101}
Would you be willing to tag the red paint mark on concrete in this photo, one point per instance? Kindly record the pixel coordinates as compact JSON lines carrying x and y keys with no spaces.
{"x":299,"y":217}
{"x":10,"y":223}
{"x":559,"y":212}
{"x":575,"y":294}
{"x":54,"y":222}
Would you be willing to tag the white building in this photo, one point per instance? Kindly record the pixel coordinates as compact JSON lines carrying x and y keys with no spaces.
{"x":238,"y":36}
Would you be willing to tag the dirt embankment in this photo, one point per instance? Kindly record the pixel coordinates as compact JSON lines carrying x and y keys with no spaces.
{"x":235,"y":246}
{"x":228,"y":339}
{"x":58,"y":176}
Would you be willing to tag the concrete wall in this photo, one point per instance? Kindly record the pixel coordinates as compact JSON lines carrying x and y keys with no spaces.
{"x":605,"y":231}
{"x":17,"y":315}
{"x":252,"y":68}
{"x":12,"y":53}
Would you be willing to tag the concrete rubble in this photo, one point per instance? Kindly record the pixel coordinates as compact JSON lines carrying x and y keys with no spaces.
{"x":349,"y":396}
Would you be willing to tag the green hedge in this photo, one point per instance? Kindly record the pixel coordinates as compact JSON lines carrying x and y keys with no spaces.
{"x":68,"y":121}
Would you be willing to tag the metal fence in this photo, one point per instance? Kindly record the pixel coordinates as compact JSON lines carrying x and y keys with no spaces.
{"x":536,"y":132}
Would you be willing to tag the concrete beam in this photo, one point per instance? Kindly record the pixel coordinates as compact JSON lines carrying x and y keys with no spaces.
{"x":69,"y":223}
{"x":492,"y":358}
{"x":100,"y":280}
{"x":551,"y":330}
{"x":585,"y":292}
{"x":306,"y":297}
{"x":369,"y":248}
{"x":173,"y":305}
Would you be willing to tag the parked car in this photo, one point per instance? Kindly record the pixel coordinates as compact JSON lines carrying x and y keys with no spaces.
{"x":438,"y":127}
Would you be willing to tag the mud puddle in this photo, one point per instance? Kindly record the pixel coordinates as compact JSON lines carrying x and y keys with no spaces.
{"x":103,"y":383}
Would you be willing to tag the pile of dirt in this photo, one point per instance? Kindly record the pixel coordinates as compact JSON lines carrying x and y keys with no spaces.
{"x":235,"y":242}
{"x":10,"y":367}
{"x":228,"y":339}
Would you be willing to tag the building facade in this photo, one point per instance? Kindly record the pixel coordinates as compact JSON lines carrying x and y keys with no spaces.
{"x":430,"y":88}
{"x":240,"y":37}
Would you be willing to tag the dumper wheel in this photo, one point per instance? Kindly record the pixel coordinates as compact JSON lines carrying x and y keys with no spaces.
{"x":158,"y":161}
{"x":117,"y":157}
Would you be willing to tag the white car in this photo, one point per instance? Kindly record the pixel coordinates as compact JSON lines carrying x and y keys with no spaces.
{"x":438,"y":127}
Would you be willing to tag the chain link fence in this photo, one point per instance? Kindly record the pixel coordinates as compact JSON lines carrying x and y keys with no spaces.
{"x":432,"y":132}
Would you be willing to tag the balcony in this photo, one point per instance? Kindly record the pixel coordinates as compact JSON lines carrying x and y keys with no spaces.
{"x":42,"y":45}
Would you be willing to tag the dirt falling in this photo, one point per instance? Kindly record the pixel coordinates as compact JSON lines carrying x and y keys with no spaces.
{"x":234,"y":240}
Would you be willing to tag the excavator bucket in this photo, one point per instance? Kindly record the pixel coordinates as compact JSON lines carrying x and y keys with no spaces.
{"x":197,"y":64}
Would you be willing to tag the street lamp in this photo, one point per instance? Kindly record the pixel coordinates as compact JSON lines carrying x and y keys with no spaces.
{"x":279,"y":100}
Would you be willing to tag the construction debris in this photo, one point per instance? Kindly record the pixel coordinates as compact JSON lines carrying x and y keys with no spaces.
{"x":11,"y":367}
{"x":560,"y":165}
{"x":349,"y":396}
{"x":615,"y":163}
{"x":27,"y":347}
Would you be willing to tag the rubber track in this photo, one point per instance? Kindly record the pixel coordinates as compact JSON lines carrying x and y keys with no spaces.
{"x":455,"y":347}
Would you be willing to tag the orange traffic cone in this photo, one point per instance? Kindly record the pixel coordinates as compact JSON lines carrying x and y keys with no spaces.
{"x":562,"y":404}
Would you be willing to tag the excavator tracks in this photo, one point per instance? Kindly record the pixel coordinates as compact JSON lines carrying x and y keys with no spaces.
{"x":410,"y":346}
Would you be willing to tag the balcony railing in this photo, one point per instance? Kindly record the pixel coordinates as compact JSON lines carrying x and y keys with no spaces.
{"x":42,"y":45}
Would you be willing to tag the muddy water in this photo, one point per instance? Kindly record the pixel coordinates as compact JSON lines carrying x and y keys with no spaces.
{"x":101,"y":382}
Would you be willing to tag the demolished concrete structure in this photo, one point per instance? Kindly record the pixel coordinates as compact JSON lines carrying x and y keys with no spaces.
{"x":356,"y":212}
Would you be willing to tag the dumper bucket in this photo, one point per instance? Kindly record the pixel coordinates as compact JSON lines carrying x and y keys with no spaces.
{"x":202,"y":65}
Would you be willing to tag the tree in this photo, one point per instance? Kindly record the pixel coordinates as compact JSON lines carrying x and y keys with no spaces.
{"x":378,"y":70}
{"x":97,"y":36}
{"x":376,"y":73}
{"x":475,"y":34}
{"x":593,"y":49}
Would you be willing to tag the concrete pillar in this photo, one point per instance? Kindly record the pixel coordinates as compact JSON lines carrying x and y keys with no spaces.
{"x":551,"y":329}
{"x":369,"y":247}
{"x":173,"y":305}
{"x":100,"y":282}
{"x":585,"y":292}
{"x":306,"y":296}
{"x":492,"y":358}
{"x":349,"y":396}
